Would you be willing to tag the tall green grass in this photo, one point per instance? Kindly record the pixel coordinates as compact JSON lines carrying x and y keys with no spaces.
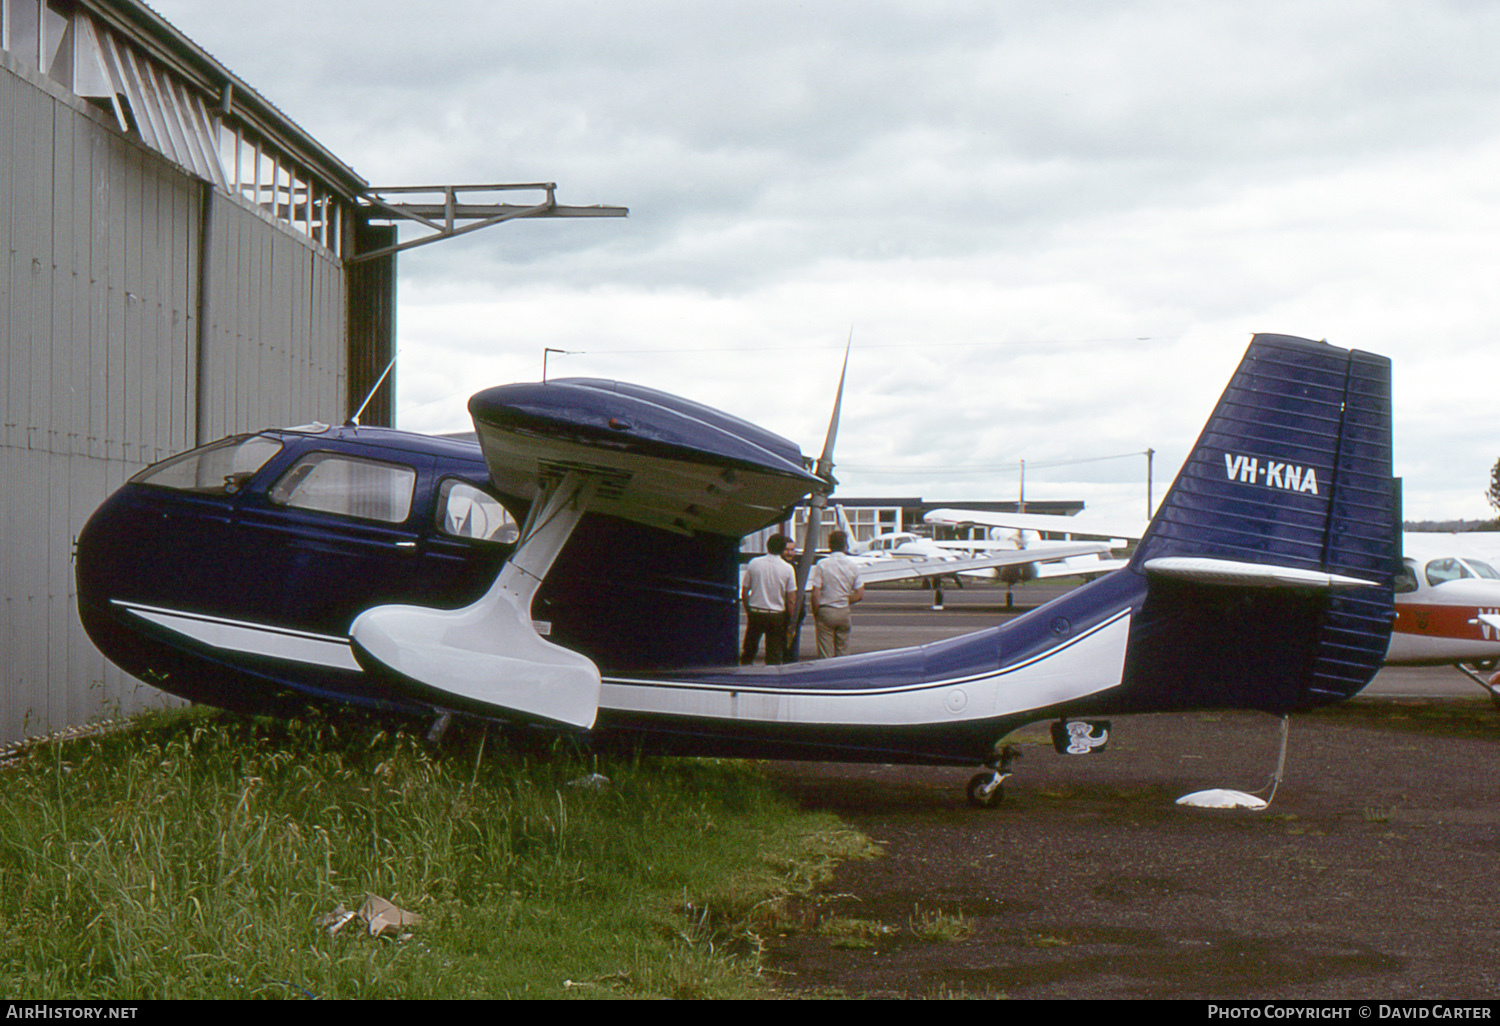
{"x":192,"y":857}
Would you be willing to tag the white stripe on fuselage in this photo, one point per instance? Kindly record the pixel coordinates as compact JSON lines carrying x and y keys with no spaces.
{"x":251,"y":638}
{"x":1092,"y":662}
{"x":1085,"y":665}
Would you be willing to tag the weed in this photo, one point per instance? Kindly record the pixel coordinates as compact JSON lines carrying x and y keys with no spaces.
{"x":845,"y":932}
{"x":940,"y":926}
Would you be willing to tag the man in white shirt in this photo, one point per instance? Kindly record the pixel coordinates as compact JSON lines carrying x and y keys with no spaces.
{"x":769,"y":593}
{"x":835,"y":587}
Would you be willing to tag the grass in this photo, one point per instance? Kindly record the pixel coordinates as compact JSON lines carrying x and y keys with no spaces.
{"x":940,"y":926}
{"x":846,"y":932}
{"x":193,"y":855}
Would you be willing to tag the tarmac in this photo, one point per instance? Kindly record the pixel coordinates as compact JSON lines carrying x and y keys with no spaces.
{"x":1370,"y":876}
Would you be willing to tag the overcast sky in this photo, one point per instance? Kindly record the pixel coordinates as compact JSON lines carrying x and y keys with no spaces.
{"x":1052,"y":227}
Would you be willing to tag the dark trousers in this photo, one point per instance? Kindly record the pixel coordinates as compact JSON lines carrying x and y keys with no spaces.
{"x":773,"y":626}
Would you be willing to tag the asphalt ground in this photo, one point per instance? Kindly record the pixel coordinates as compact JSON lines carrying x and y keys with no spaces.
{"x":1372,"y":875}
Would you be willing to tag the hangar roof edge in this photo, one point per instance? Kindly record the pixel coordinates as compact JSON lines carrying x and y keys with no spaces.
{"x":168,"y":44}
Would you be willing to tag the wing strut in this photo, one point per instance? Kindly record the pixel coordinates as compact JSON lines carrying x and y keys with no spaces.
{"x":488,"y":656}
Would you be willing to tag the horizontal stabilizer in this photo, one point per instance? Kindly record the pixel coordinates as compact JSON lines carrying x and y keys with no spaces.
{"x":1232,"y":573}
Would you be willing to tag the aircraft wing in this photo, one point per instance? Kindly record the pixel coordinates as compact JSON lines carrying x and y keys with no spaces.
{"x":896,"y":568}
{"x":569,"y":448}
{"x":661,"y":460}
{"x":1042,"y":553}
{"x":1073,"y":566}
{"x":1130,"y":530}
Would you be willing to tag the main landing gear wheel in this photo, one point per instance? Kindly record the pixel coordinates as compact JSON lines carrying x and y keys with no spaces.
{"x":985,"y":791}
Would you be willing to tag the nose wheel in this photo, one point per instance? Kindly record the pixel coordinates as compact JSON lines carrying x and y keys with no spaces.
{"x":986,"y":790}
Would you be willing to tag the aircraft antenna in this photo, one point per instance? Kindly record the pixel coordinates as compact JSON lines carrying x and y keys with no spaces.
{"x":550,"y":349}
{"x":354,"y":420}
{"x":1150,"y":458}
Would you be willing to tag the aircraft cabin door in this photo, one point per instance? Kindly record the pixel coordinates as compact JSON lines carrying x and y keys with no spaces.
{"x":336,"y":533}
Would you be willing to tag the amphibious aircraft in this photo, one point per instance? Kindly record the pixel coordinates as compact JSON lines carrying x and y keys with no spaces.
{"x":575,"y":570}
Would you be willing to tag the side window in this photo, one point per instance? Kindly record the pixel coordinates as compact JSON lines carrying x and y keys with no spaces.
{"x":333,"y":483}
{"x":218,"y":469}
{"x":466,"y":512}
{"x":1406,"y":578}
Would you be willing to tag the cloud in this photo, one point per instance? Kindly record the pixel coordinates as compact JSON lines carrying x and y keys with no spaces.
{"x":1052,"y":227}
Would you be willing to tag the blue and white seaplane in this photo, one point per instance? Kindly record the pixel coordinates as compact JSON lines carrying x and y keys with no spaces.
{"x":576,"y":568}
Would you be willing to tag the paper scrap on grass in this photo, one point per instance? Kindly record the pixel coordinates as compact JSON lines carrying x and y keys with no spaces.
{"x":592,"y":782}
{"x":377,"y":913}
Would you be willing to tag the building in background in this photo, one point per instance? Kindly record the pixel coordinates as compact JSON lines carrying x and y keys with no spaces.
{"x":868,"y":517}
{"x":179,"y":261}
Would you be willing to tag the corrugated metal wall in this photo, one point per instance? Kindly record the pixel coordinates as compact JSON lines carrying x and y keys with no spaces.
{"x":275,"y":352}
{"x":100,"y":263}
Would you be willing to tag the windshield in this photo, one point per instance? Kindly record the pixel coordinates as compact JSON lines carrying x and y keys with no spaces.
{"x":1482,"y":569}
{"x":221,"y":468}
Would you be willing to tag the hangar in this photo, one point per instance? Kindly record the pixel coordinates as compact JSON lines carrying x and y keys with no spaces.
{"x":179,"y":261}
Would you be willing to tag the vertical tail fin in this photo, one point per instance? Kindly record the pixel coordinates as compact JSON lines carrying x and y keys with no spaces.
{"x":1287,"y":491}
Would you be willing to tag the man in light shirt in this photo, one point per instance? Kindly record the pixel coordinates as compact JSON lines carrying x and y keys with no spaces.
{"x":768,"y":593}
{"x":835,"y":587}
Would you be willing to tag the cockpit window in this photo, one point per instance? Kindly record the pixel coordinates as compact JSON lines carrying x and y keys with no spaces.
{"x":218,"y":469}
{"x":466,"y":512}
{"x":1441,"y":571}
{"x":333,"y":483}
{"x":1406,"y":578}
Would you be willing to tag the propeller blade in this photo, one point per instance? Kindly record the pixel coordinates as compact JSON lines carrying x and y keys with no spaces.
{"x":824,"y":468}
{"x":812,"y":537}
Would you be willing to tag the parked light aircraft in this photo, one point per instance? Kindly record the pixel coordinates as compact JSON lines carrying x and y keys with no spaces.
{"x":899,"y":555}
{"x":575,"y":570}
{"x":1447,"y":609}
{"x":1447,"y":594}
{"x":1025,"y":530}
